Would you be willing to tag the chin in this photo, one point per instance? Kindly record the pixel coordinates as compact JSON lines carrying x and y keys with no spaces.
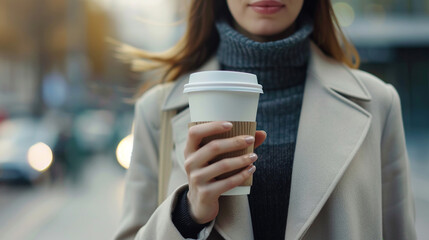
{"x":266,"y":28}
{"x":266,"y":31}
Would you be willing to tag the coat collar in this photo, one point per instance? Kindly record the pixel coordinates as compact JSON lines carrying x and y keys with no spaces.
{"x":333,"y":74}
{"x":336,"y":76}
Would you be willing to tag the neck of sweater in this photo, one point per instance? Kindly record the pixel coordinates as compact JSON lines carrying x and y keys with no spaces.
{"x":278,"y":64}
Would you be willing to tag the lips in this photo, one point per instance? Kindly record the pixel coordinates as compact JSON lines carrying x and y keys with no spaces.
{"x":266,"y":6}
{"x":267,"y":3}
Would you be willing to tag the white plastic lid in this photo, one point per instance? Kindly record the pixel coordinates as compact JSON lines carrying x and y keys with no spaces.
{"x":223,"y":81}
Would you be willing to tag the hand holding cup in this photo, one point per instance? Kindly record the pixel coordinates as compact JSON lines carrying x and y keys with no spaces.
{"x":204,"y":188}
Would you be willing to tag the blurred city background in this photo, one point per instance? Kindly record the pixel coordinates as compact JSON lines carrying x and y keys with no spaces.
{"x":66,"y":102}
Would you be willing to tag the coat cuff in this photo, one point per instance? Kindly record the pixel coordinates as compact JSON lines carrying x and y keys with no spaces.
{"x":183,"y":220}
{"x":160,"y":225}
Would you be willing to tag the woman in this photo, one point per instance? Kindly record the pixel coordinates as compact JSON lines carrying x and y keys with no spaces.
{"x":333,"y":164}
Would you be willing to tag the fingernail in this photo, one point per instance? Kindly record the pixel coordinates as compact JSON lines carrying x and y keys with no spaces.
{"x":252,"y":169}
{"x":253,"y":157}
{"x":227,"y":125}
{"x":249,"y":139}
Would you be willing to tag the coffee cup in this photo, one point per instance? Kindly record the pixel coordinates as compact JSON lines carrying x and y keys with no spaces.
{"x":225,"y":96}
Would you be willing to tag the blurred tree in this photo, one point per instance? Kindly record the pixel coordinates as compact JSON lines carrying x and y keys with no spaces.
{"x":15,"y":30}
{"x":97,"y":30}
{"x":33,"y":31}
{"x":46,"y":32}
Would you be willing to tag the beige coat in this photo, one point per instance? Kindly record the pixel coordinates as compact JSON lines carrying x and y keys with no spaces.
{"x":350,"y":175}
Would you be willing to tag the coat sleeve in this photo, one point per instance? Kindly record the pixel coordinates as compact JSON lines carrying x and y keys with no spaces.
{"x":142,"y":218}
{"x":398,"y":203}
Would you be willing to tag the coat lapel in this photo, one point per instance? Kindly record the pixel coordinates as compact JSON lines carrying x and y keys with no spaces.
{"x":331,"y":130}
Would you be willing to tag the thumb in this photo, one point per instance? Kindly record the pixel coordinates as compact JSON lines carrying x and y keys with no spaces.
{"x":260,"y":137}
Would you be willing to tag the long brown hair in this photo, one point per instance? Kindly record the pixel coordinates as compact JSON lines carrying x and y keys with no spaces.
{"x":201,"y":40}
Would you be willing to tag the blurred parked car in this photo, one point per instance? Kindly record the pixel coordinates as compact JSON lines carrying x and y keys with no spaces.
{"x":93,"y":131}
{"x":28,"y":148}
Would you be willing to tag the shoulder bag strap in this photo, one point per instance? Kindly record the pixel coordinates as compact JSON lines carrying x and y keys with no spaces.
{"x":165,"y":148}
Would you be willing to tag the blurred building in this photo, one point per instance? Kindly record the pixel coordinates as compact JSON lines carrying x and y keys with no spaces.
{"x":392,"y":38}
{"x":37,"y":41}
{"x":66,"y":41}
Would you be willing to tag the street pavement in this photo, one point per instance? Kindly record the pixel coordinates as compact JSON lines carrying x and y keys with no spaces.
{"x":66,"y":211}
{"x":91,"y":208}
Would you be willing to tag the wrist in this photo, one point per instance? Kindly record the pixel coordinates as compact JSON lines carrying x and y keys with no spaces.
{"x":198,"y":212}
{"x":183,"y":220}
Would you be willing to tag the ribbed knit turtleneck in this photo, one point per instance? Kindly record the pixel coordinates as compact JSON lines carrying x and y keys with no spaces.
{"x":281,"y":68}
{"x":278,"y":64}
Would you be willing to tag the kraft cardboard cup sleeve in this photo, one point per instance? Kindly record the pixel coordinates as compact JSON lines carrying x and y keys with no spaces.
{"x":225,"y":96}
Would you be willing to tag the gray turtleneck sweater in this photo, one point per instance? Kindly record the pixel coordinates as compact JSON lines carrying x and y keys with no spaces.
{"x":281,"y":68}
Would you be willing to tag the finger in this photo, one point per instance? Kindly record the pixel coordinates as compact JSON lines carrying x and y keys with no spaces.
{"x":260,"y":137}
{"x":221,"y":186}
{"x":208,"y":152}
{"x":226,"y":165}
{"x":196,"y":134}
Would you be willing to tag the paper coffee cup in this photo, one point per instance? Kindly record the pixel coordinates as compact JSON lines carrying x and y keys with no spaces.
{"x":225,"y":96}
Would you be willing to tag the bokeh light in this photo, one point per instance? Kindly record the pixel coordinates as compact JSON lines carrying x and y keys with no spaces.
{"x":344,"y":13}
{"x":123,"y":151}
{"x":40,"y":156}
